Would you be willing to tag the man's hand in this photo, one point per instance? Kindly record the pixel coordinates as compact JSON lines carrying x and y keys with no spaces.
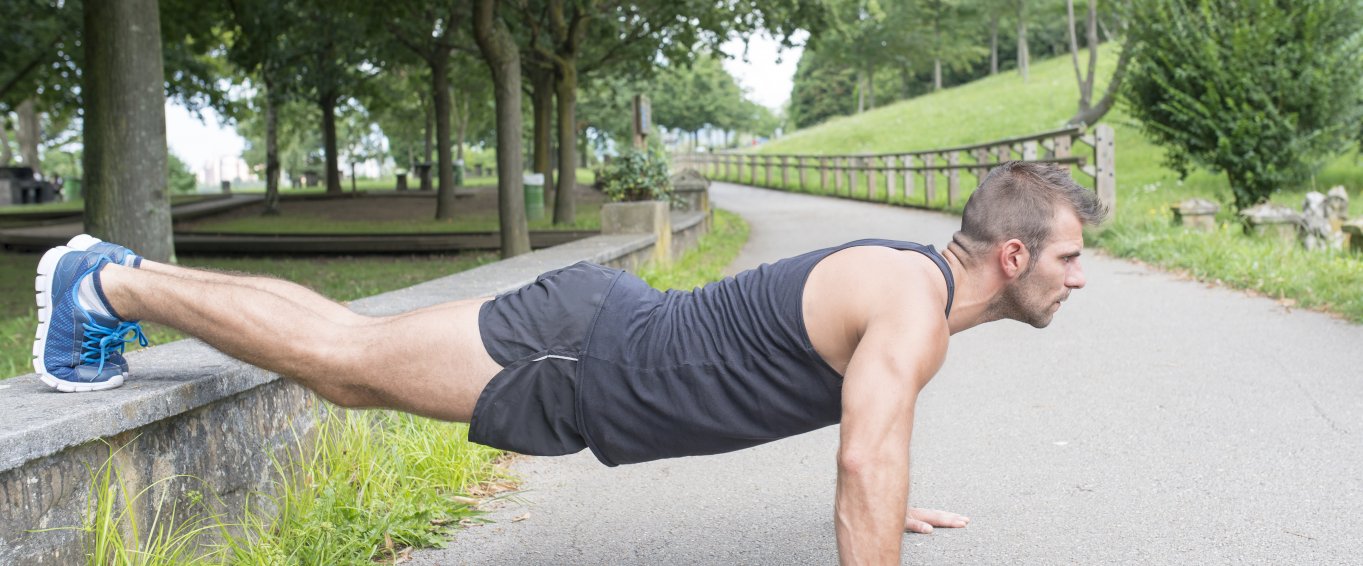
{"x":922,"y":521}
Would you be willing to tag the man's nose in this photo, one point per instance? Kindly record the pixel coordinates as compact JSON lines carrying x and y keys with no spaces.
{"x":1074,"y":278}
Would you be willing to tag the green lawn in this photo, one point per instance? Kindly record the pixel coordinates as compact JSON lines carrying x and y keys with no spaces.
{"x":1003,"y":106}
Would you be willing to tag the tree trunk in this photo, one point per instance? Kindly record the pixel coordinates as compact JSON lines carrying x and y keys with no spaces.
{"x":861,"y":92}
{"x":870,"y":86}
{"x":125,"y":128}
{"x":937,"y":52}
{"x":565,"y":210}
{"x":440,"y":87}
{"x":463,"y":127}
{"x":542,"y":110}
{"x":994,"y":43}
{"x":1023,"y":56}
{"x":426,"y":154}
{"x":503,"y":58}
{"x":29,"y":135}
{"x":1091,"y":115}
{"x":271,"y":151}
{"x":6,"y":153}
{"x":333,"y":174}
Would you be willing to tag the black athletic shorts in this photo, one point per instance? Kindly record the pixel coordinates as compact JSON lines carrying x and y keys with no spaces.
{"x":538,"y":334}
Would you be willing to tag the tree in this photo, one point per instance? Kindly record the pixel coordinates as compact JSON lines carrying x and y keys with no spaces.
{"x":503,"y":57}
{"x":1089,"y":113}
{"x":1260,"y":90}
{"x":822,"y":88}
{"x":125,"y":127}
{"x":1024,"y":56}
{"x":333,"y":49}
{"x":260,"y":47}
{"x":432,"y":31}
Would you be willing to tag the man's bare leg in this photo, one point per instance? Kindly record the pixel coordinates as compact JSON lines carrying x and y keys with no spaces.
{"x":430,"y":362}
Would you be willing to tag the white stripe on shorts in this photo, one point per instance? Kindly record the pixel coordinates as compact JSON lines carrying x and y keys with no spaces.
{"x":547,"y":356}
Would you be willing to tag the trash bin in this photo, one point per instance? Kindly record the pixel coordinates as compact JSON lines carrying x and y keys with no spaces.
{"x":534,"y":195}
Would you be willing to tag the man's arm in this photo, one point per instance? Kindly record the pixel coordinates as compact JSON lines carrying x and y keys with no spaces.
{"x":902,"y":347}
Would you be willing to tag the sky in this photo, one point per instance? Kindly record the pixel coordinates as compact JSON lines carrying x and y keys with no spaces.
{"x":765,"y":81}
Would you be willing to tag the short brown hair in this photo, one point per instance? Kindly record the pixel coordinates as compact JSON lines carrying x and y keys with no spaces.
{"x":1019,"y":200}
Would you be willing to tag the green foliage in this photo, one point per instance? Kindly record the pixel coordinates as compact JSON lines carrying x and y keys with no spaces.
{"x":822,"y":88}
{"x":179,"y":178}
{"x":689,"y":97}
{"x":1262,"y":90}
{"x":636,"y":176}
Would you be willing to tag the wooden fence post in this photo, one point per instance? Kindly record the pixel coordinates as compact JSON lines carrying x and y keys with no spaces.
{"x":785,"y":183}
{"x":890,"y":174}
{"x":908,"y":177}
{"x":800,"y":172}
{"x":929,"y":180}
{"x":854,"y":165}
{"x":981,"y":156}
{"x":871,"y":178}
{"x":823,"y":174}
{"x":1029,"y":151}
{"x":837,"y":175}
{"x":752,"y":171}
{"x":1105,"y":166}
{"x":953,"y":178}
{"x":766,"y":160}
{"x":1062,"y":149}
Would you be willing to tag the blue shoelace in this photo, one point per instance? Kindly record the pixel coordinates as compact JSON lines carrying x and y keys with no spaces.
{"x":100,"y":341}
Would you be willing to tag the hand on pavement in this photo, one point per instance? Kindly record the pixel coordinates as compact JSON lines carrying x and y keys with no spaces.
{"x":923,"y":520}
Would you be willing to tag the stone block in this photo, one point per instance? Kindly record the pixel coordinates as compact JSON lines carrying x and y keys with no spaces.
{"x":645,"y":217}
{"x":1274,"y":221}
{"x":1196,"y":213}
{"x":692,"y":191}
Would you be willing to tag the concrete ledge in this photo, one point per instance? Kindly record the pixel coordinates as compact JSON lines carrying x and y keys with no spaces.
{"x":188,"y":409}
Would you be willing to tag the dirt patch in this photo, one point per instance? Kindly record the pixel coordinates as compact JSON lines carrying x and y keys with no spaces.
{"x":389,"y":206}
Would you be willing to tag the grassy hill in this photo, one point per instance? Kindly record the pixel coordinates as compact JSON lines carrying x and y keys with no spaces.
{"x":1004,"y":106}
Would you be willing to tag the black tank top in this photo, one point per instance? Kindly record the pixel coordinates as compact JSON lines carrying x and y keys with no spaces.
{"x":724,"y":367}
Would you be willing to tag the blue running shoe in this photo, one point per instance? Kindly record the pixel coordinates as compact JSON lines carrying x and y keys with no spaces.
{"x":74,"y":349}
{"x":116,"y":253}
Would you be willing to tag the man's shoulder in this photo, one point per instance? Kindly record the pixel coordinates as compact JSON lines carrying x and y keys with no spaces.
{"x":877,"y":279}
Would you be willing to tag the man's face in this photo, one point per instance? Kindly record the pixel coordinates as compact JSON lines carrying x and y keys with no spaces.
{"x":1035,"y":297}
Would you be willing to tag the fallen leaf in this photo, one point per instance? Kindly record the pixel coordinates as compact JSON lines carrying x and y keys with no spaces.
{"x":521,"y":518}
{"x":471,"y":502}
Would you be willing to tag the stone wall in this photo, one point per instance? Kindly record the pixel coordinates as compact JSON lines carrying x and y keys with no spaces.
{"x":189,"y":410}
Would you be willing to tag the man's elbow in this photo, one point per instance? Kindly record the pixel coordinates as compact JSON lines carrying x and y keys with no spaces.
{"x":853,"y":462}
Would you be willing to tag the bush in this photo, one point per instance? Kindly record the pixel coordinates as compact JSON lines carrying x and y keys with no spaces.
{"x":636,"y":176}
{"x":1262,"y":90}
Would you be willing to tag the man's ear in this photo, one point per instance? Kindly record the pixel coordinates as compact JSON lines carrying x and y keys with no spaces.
{"x":1013,"y":258}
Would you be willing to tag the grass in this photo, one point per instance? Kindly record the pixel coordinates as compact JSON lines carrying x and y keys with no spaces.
{"x":374,"y":484}
{"x":78,"y":205}
{"x":342,"y":279}
{"x":705,"y":262}
{"x":588,"y":218}
{"x":1003,"y":106}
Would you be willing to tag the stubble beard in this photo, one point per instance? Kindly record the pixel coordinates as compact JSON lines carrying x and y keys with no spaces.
{"x":1024,"y":301}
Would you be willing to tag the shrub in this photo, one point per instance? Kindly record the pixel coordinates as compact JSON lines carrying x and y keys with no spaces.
{"x":1261,"y":90}
{"x":636,"y":176}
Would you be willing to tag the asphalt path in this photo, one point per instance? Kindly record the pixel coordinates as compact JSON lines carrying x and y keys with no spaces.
{"x":1156,"y":421}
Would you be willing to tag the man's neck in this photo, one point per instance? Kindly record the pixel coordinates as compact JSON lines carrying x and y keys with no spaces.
{"x":975,"y":292}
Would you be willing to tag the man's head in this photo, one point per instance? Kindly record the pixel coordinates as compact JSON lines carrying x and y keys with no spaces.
{"x":1027,"y":219}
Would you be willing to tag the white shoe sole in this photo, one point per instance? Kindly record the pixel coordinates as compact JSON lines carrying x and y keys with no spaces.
{"x":43,"y":285}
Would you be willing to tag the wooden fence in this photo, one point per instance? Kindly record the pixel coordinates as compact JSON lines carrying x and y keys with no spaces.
{"x":914,"y":178}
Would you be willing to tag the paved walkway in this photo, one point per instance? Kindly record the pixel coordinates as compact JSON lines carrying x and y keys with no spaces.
{"x":1157,"y":421}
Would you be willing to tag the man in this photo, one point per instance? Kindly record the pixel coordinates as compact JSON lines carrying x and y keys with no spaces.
{"x":588,"y":357}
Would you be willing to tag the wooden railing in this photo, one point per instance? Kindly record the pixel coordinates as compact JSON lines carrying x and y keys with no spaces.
{"x":896,"y":177}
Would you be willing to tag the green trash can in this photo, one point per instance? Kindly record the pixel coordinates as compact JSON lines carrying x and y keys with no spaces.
{"x":534,"y":195}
